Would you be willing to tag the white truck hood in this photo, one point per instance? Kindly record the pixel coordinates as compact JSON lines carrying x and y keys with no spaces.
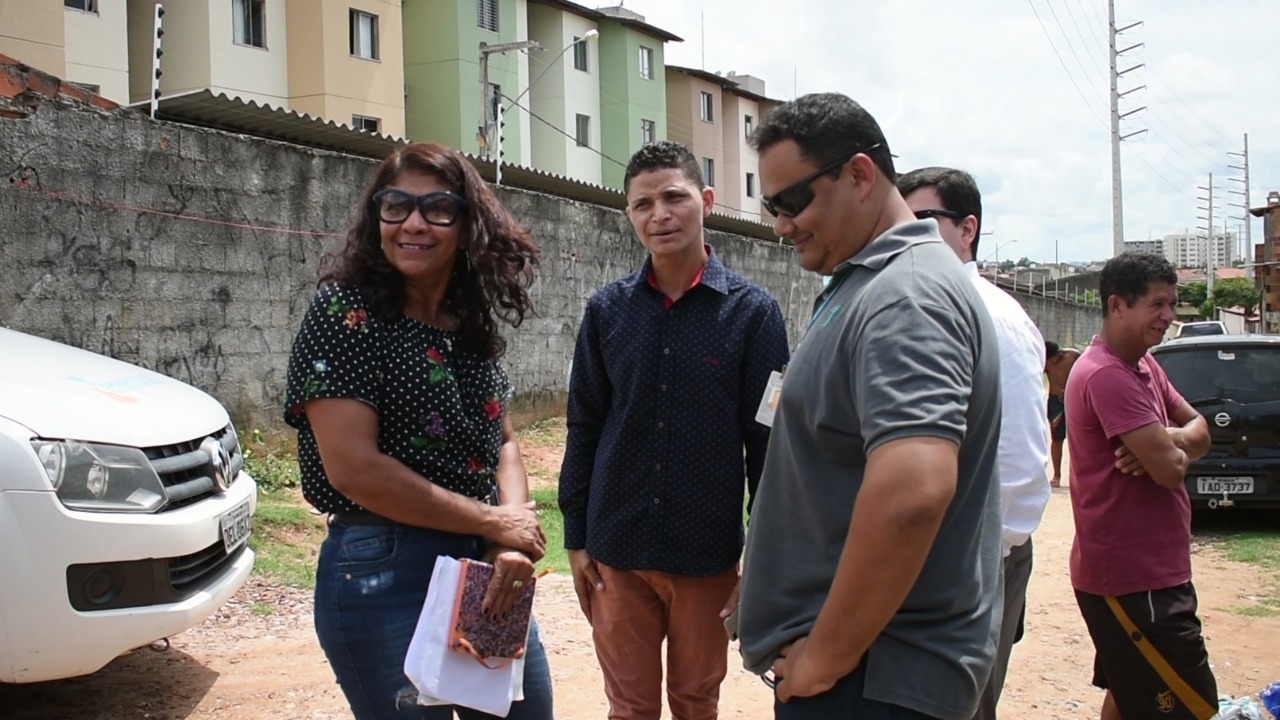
{"x":61,"y":392}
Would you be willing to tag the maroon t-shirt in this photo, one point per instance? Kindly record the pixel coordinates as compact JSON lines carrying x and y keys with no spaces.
{"x":1131,"y":534}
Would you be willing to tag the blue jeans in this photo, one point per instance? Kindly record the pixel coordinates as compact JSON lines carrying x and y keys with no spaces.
{"x":844,"y":700}
{"x":370,"y":586}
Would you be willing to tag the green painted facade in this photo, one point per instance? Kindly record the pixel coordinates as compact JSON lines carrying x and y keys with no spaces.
{"x":626,"y":98}
{"x":442,"y":72}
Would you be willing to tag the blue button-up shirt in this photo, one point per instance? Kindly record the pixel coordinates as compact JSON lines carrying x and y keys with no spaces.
{"x":662,"y":429}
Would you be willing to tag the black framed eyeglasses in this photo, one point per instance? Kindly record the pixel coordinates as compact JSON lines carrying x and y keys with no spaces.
{"x":436,"y":208}
{"x":794,"y":198}
{"x":940,"y":213}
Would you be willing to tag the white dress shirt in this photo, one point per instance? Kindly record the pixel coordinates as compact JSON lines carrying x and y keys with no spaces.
{"x":1024,"y":426}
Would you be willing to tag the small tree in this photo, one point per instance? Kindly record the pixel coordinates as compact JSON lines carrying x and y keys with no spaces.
{"x":1024,"y":262}
{"x":1193,"y":294}
{"x":1236,"y":292}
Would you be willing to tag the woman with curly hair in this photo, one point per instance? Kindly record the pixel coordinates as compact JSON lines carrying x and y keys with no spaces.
{"x":404,"y":441}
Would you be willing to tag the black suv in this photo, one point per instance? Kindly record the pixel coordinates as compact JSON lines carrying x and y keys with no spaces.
{"x":1234,"y":381}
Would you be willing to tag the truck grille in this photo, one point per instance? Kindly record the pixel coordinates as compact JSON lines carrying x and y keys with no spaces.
{"x":187,"y":471}
{"x":189,"y":573}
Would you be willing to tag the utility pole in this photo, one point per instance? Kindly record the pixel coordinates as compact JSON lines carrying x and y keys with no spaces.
{"x":1248,"y":219}
{"x":1117,"y":200}
{"x":1208,"y":231}
{"x":489,"y":100}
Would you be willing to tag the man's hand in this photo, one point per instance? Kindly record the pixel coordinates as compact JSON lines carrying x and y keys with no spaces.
{"x":1128,"y":463}
{"x":512,"y":571}
{"x":800,"y":675}
{"x":732,"y":603}
{"x":586,"y":579}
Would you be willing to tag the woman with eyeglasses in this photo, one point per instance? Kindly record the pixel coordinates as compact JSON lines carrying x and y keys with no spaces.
{"x":404,"y":440}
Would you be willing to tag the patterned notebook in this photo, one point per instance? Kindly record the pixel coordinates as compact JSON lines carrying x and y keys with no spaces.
{"x":472,"y":632}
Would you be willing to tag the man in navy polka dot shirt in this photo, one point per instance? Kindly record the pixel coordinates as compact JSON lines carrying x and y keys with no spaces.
{"x":669,"y":370}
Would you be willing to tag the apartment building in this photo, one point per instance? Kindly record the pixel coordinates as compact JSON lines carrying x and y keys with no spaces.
{"x":563,"y":106}
{"x":1187,"y":250}
{"x":715,"y":115}
{"x":1147,"y":247}
{"x":81,"y":41}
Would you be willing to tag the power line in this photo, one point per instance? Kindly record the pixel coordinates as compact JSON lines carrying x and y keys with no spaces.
{"x":1071,"y":46}
{"x":1063,"y":63}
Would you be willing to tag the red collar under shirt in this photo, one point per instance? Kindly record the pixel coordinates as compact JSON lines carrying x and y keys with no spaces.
{"x":697,"y":280}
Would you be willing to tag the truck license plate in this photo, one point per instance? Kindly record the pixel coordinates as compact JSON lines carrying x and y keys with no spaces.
{"x":1225,"y":485}
{"x":236,"y":526}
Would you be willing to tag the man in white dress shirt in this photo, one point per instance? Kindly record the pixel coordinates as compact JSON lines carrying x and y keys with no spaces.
{"x":952,"y":199}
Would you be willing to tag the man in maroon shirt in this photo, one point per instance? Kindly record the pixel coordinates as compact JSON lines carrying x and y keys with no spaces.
{"x":1130,"y":436}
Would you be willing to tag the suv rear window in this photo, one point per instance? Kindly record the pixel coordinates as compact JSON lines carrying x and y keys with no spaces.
{"x":1200,"y":329}
{"x":1245,"y":374}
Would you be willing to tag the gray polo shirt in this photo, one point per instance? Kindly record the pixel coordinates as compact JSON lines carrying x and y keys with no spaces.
{"x":900,"y":346}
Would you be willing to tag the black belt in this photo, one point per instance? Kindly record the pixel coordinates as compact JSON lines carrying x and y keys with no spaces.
{"x":359,"y":517}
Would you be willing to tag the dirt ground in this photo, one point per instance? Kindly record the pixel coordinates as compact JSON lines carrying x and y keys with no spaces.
{"x":241,"y":665}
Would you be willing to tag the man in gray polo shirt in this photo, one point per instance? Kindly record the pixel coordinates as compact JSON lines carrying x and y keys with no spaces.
{"x":872,"y":583}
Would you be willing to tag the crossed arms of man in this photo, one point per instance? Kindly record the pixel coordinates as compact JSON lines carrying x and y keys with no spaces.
{"x":1163,"y":453}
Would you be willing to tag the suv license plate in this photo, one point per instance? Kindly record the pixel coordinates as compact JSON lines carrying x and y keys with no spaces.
{"x":1225,"y":485}
{"x":236,"y":526}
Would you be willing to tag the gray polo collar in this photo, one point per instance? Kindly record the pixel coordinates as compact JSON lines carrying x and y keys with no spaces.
{"x":892,"y":243}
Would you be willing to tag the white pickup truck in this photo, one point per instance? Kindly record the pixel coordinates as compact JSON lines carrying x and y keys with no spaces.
{"x":125,"y":512}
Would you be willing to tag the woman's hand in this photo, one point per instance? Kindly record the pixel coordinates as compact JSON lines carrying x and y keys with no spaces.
{"x":512,"y":571}
{"x":517,"y":527}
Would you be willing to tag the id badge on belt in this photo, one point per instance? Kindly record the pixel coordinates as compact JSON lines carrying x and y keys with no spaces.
{"x":769,"y":401}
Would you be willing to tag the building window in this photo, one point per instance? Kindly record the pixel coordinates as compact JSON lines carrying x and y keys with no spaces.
{"x":749,"y":124}
{"x":364,"y":35}
{"x":367,"y":124}
{"x":582,"y":131}
{"x":646,"y":62}
{"x":707,"y":107}
{"x":709,"y":172}
{"x":487,"y":15}
{"x":580,"y":54}
{"x":85,"y":5}
{"x":648,"y":132}
{"x":751,"y":185}
{"x":249,"y":22}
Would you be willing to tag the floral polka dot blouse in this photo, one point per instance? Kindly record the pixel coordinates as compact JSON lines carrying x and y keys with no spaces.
{"x":440,"y":408}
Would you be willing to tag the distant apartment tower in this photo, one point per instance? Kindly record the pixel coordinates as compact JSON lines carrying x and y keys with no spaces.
{"x":1148,"y":247}
{"x":1193,"y":250}
{"x":84,"y":42}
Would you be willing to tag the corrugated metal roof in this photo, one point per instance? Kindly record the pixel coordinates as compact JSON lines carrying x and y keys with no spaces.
{"x":222,"y":112}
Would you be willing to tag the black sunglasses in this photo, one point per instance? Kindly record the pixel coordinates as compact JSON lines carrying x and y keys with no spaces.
{"x":437,"y":208}
{"x":794,"y":198}
{"x":949,"y":214}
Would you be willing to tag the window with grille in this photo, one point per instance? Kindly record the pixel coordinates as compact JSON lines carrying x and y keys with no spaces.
{"x":709,"y":172}
{"x":648,"y":132}
{"x":368,"y":124}
{"x":582,"y":131}
{"x":249,"y":22}
{"x":646,"y":62}
{"x":487,"y":15}
{"x":580,"y":54}
{"x":85,"y":5}
{"x":364,"y":35}
{"x":707,"y":107}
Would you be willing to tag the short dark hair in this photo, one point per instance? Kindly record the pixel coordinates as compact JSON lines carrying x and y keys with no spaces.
{"x":826,"y":127}
{"x":1051,"y":349}
{"x":1130,"y":274}
{"x":663,"y":155}
{"x":956,"y":188}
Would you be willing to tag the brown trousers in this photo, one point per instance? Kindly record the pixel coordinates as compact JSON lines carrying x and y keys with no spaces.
{"x":631,"y":617}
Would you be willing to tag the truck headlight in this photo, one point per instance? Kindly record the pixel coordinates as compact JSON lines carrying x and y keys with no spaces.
{"x":100,"y":478}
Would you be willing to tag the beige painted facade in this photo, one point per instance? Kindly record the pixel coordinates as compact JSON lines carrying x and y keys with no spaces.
{"x":327,"y":80}
{"x":740,"y":188}
{"x":31,"y":31}
{"x":705,"y":138}
{"x":97,"y":48}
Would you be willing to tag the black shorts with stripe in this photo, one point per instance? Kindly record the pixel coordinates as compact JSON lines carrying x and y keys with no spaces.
{"x":1150,"y":653}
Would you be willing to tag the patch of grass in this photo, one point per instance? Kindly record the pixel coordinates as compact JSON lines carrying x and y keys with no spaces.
{"x":274,"y":468}
{"x":557,"y":558}
{"x":546,"y":433}
{"x":1261,"y":549}
{"x":1255,"y":548}
{"x":262,"y":609}
{"x":1255,"y":611}
{"x":286,"y":538}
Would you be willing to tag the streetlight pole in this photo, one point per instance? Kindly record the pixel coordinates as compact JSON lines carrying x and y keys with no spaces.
{"x":482,"y":136}
{"x":587,"y":36}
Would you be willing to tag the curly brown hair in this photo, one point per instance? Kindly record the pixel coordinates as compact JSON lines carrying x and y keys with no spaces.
{"x":495,"y":260}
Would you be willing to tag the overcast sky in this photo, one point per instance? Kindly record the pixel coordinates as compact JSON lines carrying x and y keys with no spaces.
{"x":976,"y":84}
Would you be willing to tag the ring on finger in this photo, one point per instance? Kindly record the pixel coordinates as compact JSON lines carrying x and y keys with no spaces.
{"x":517,"y":584}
